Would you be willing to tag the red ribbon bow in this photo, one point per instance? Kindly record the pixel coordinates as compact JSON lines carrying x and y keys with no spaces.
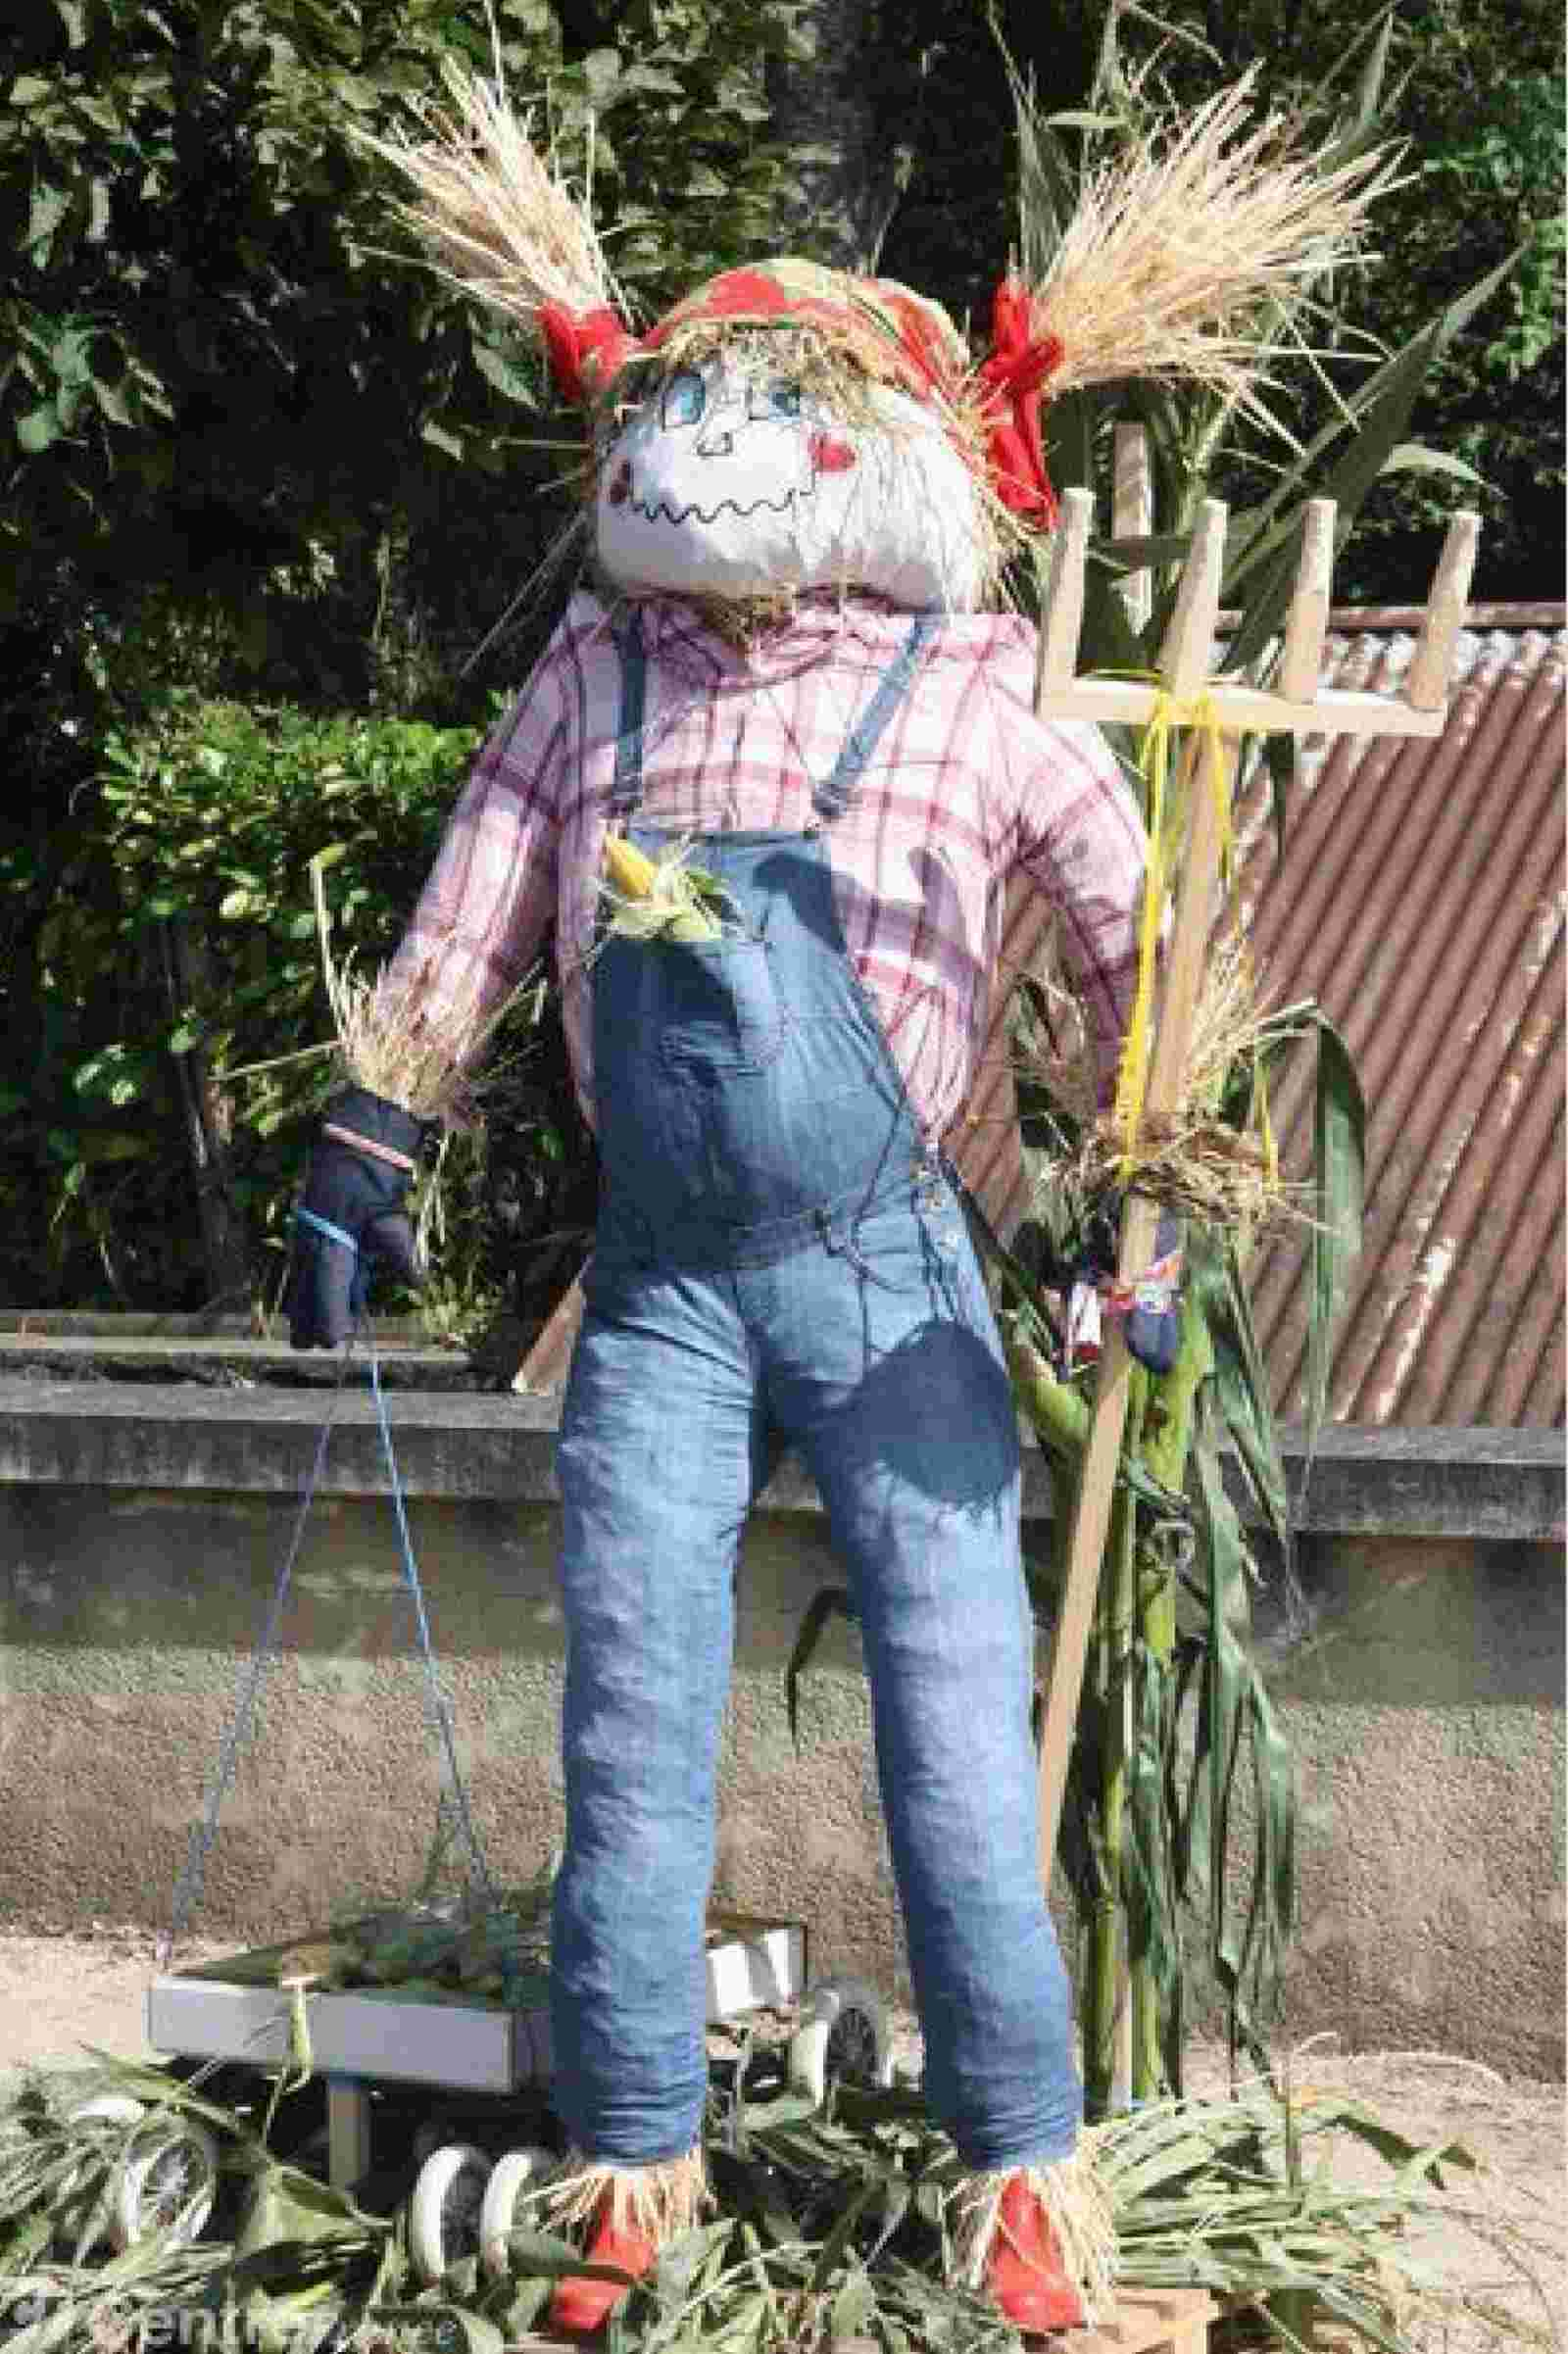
{"x":585,"y":348}
{"x":1020,"y":366}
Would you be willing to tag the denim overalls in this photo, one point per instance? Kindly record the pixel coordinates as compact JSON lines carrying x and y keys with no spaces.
{"x":780,"y":1259}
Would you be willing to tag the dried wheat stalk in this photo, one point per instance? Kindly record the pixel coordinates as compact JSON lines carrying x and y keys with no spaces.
{"x":1182,"y":243}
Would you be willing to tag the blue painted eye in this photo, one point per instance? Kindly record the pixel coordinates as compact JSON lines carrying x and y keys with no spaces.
{"x":780,"y":398}
{"x":685,"y":399}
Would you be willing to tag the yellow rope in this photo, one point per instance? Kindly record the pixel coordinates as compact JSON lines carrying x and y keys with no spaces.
{"x":1171,"y":712}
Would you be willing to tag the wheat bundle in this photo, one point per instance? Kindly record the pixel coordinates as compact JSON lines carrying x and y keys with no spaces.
{"x":499,"y":219}
{"x":1193,"y":1160}
{"x":1076,"y":2207}
{"x":1184,"y":245}
{"x":398,"y":1040}
{"x":659,"y":2202}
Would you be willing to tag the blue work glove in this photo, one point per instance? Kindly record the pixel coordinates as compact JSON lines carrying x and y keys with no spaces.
{"x":1153,"y":1333}
{"x":352,"y":1212}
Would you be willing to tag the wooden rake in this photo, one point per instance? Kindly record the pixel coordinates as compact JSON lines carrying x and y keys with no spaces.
{"x":1296,"y":704}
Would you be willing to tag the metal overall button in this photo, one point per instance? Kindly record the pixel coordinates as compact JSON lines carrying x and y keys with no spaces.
{"x":841,"y":1243}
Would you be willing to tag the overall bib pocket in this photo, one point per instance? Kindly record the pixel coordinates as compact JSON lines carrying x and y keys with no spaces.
{"x":718,"y":1005}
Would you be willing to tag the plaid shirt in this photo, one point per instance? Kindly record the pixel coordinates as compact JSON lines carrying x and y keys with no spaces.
{"x":973,"y":825}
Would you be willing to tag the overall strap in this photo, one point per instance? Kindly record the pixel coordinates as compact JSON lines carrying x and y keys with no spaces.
{"x":832,"y":798}
{"x":627,"y":790}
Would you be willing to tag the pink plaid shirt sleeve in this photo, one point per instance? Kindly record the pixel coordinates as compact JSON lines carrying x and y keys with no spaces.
{"x":491,"y":895}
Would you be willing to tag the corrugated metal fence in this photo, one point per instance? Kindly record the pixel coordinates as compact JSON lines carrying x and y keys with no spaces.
{"x":1420,"y":900}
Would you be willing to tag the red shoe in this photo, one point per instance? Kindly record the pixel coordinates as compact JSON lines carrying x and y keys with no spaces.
{"x":1024,"y":2271}
{"x":580,"y":2308}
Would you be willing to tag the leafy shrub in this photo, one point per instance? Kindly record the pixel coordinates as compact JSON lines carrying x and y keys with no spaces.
{"x":186,"y":1030}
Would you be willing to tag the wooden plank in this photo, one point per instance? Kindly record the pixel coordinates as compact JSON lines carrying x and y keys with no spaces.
{"x":1308,"y":623}
{"x":1426,"y":682}
{"x":1244,"y":709}
{"x":1144,"y":2320}
{"x":1188,"y":643}
{"x":1132,"y":514}
{"x":1185,"y":658}
{"x":544,"y":1368}
{"x":1062,"y":619}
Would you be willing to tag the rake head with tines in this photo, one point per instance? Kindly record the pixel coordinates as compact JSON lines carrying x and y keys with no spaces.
{"x":1224,"y":710}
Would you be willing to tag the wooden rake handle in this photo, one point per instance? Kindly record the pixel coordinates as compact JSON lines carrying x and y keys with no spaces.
{"x":1139,"y":1222}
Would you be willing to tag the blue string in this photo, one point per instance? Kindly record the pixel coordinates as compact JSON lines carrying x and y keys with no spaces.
{"x":333,"y":1234}
{"x":188,"y":1886}
{"x":437,"y":1707}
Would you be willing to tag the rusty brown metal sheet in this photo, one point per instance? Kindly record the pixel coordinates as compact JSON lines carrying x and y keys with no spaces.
{"x":1420,"y":898}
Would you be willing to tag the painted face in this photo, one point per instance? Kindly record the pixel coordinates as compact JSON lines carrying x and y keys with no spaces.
{"x":728,"y":482}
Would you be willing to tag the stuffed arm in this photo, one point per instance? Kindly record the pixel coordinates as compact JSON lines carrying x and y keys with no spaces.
{"x":410,"y":1043}
{"x":1083,"y":847}
{"x":1086,"y":851}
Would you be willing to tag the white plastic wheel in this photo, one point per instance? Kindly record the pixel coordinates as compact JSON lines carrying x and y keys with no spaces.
{"x":444,"y":2210}
{"x":106,"y":2108}
{"x":167,"y":2183}
{"x":516,"y":2171}
{"x":845,"y":2038}
{"x":101,"y":2108}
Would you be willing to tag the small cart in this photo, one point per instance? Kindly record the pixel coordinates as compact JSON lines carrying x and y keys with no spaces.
{"x":465,"y":2046}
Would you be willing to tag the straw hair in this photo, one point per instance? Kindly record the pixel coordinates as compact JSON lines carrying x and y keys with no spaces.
{"x":498,"y":218}
{"x":1181,"y":246}
{"x":658,"y":2202}
{"x":1191,"y":1161}
{"x":1077,"y":2209}
{"x":396,"y":1039}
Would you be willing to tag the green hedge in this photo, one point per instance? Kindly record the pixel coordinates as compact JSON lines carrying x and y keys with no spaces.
{"x":156,"y":1141}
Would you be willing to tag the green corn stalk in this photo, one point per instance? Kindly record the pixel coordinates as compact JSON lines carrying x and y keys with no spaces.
{"x":1173,"y":1708}
{"x":1110,"y":1668}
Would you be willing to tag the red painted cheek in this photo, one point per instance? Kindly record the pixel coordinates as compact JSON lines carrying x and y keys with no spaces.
{"x":620,"y":488}
{"x":830,"y":455}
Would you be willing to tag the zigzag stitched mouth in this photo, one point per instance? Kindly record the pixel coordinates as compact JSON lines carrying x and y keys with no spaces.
{"x":711,"y":514}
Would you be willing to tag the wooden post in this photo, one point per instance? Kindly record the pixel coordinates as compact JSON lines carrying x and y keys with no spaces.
{"x":1062,"y":617}
{"x":1132,"y":514}
{"x":1427,"y":681}
{"x":1185,"y":664}
{"x":1301,"y":661}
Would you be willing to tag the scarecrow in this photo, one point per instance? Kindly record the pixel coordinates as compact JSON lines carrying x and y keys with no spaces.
{"x":771,"y":786}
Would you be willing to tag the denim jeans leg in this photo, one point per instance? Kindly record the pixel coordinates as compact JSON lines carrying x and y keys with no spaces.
{"x":906,"y":1420}
{"x":657,"y":1466}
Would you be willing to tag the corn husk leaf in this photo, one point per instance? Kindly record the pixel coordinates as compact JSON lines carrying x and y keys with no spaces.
{"x":1260,"y":570}
{"x":1338,"y":1135}
{"x":1236,"y":2193}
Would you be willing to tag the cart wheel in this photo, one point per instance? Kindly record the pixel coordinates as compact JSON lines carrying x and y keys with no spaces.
{"x":516,"y":2171}
{"x":101,"y":2108}
{"x":444,"y":2209}
{"x":844,"y":2039}
{"x":106,"y":2108}
{"x":167,"y":2184}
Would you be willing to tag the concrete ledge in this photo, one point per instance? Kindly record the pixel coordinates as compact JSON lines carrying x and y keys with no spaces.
{"x":1492,"y":1485}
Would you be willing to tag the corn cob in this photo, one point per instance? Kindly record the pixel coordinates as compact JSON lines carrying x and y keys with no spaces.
{"x":630,"y":869}
{"x":660,"y":898}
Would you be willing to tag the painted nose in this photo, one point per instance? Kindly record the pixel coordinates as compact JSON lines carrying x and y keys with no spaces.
{"x":716,"y":435}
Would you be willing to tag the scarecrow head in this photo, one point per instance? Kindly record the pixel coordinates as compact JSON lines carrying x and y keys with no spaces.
{"x":790,"y":428}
